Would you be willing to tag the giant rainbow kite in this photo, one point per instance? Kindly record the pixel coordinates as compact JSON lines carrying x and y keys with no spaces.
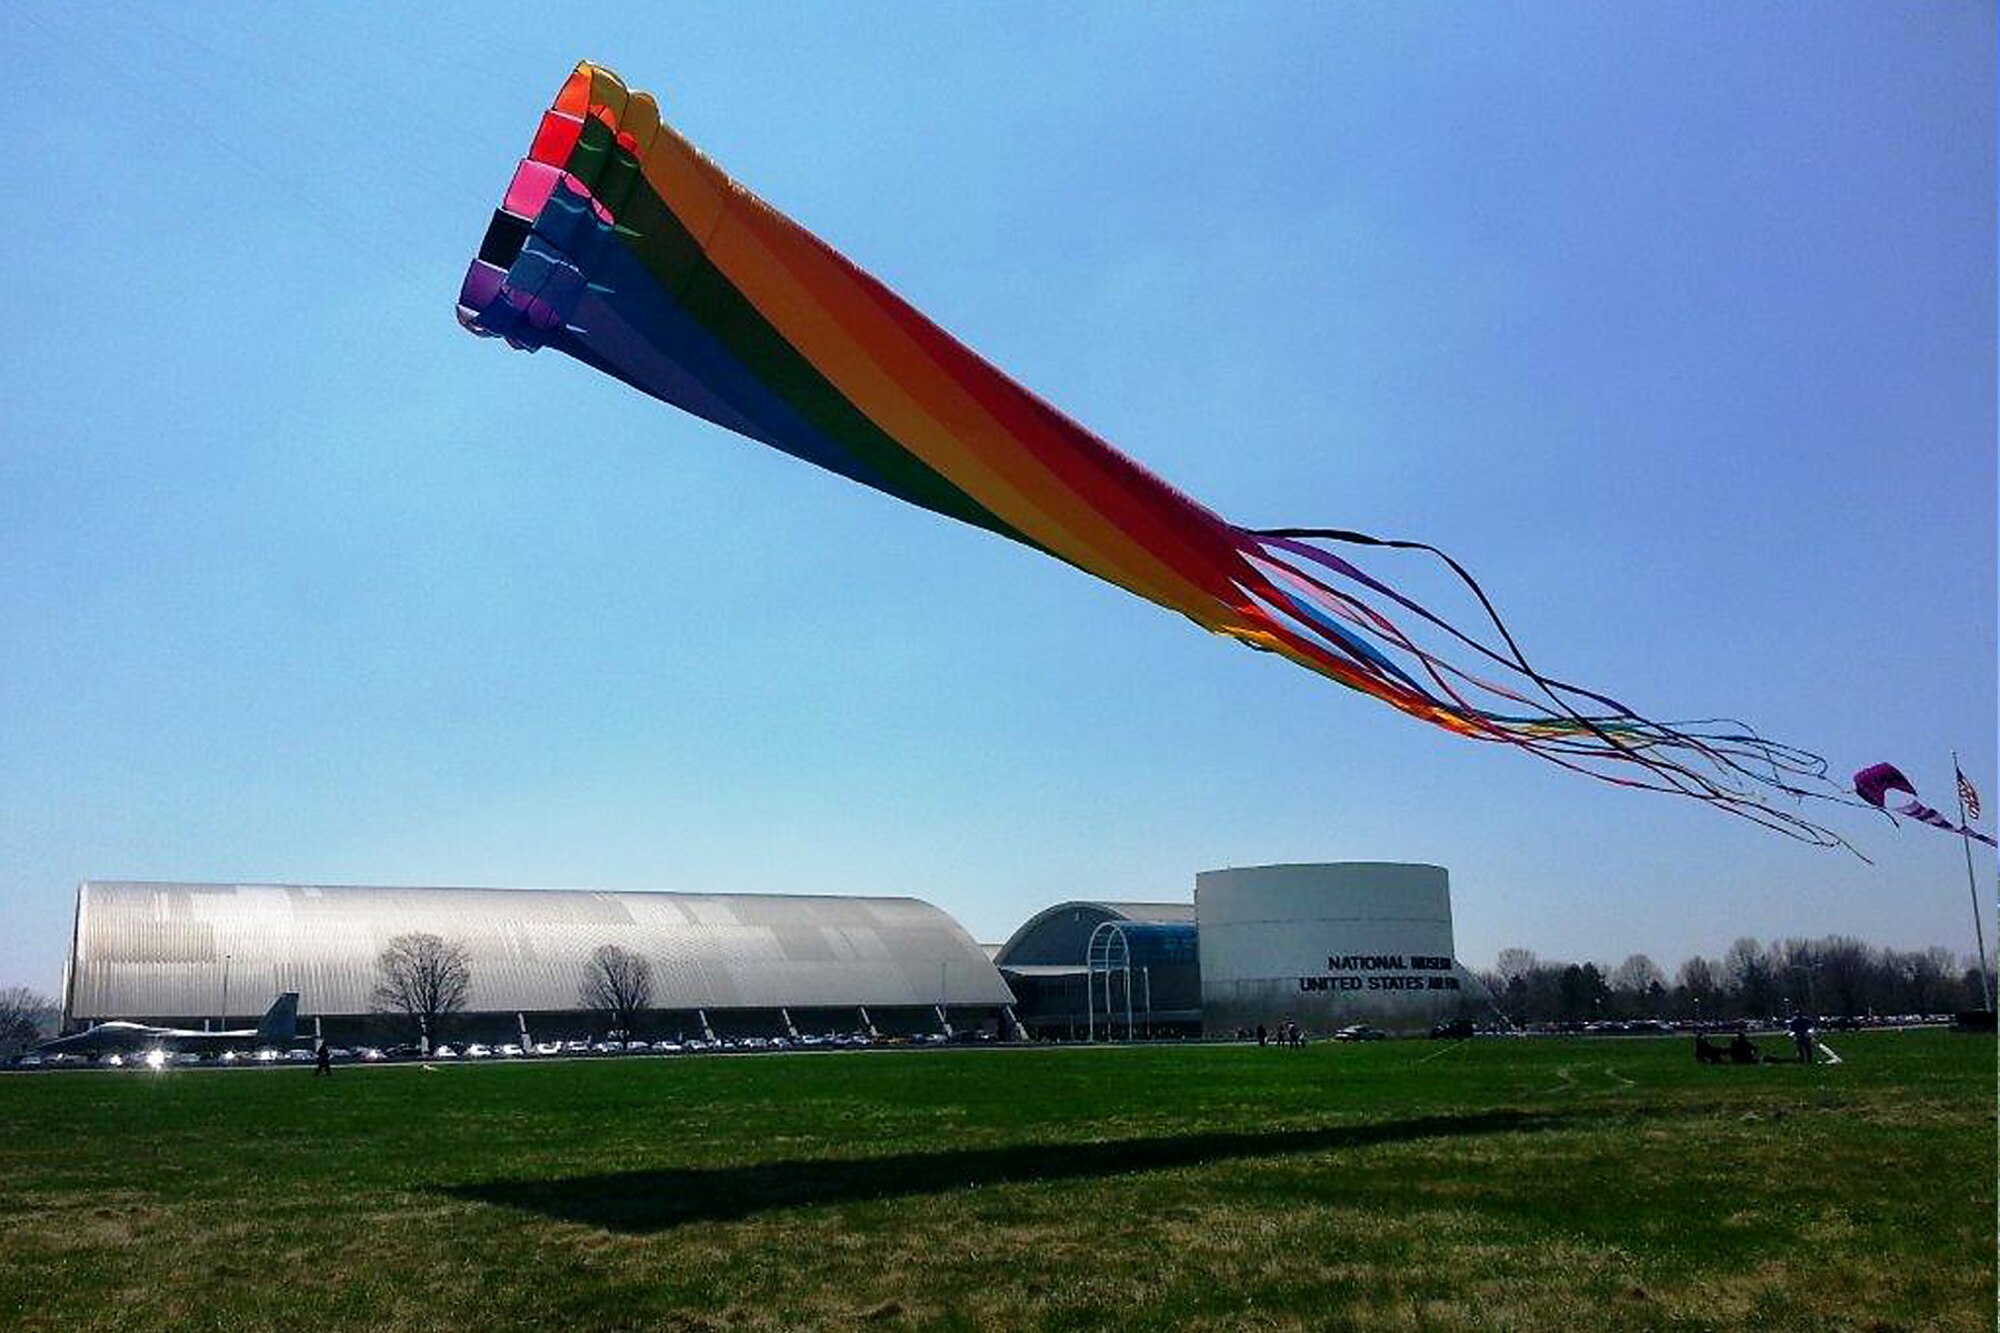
{"x":620,"y":244}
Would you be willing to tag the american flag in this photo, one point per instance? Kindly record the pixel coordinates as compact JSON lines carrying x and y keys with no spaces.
{"x":1970,"y":795}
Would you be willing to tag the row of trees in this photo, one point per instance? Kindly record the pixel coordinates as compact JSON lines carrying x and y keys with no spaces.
{"x":1834,"y":975}
{"x":428,"y":978}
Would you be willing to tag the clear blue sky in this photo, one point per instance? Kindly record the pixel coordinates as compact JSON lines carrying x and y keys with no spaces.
{"x":1675,"y":324}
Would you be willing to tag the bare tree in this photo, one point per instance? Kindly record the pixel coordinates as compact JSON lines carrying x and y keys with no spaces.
{"x":1636,"y":976}
{"x":1515,"y":962}
{"x":1697,"y":985}
{"x":1928,"y":974}
{"x":1638,"y":987}
{"x":1753,"y":977}
{"x":1847,"y":966}
{"x":23,"y":1013}
{"x":618,"y":984}
{"x":424,"y":976}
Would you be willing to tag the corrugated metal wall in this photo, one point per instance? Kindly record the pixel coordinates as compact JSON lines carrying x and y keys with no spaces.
{"x":158,"y":950}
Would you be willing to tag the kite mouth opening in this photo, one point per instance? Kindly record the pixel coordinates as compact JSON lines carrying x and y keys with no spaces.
{"x":505,"y":237}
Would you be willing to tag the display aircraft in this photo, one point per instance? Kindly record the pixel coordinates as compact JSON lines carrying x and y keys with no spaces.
{"x":277,"y":1028}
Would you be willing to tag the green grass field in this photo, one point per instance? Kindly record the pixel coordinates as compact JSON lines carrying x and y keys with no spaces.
{"x":1577,"y":1183}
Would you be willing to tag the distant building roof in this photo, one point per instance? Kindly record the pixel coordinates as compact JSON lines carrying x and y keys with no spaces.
{"x":1059,"y":935}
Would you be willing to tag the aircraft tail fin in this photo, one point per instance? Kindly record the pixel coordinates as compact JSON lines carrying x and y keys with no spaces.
{"x":280,"y":1022}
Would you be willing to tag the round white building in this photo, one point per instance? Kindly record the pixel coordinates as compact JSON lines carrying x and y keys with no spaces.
{"x":1327,"y":945}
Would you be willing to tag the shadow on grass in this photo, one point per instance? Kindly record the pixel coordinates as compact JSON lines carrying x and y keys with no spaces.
{"x":642,"y":1201}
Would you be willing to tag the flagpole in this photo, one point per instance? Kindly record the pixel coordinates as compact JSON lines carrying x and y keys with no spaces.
{"x":1972,"y":882}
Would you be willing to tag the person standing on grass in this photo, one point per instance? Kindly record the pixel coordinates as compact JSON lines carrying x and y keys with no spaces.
{"x":323,"y":1061}
{"x":1802,"y":1036}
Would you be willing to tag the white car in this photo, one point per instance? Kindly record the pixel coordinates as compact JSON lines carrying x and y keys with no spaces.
{"x":444,"y":1053}
{"x":510,"y":1050}
{"x":477,"y":1051}
{"x":548,"y":1048}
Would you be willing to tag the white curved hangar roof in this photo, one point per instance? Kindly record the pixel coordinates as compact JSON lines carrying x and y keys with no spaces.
{"x":161,"y":950}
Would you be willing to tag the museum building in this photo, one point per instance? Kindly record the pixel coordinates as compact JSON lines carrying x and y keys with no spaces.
{"x":1323,"y":945}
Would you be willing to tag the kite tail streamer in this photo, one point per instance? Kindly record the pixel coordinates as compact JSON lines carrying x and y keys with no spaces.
{"x":1717,"y":760}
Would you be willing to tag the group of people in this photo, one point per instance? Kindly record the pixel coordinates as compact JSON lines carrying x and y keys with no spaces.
{"x":1742,"y":1051}
{"x":1286,"y":1033}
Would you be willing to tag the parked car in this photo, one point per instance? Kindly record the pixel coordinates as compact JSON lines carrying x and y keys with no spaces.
{"x":1359,"y":1032}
